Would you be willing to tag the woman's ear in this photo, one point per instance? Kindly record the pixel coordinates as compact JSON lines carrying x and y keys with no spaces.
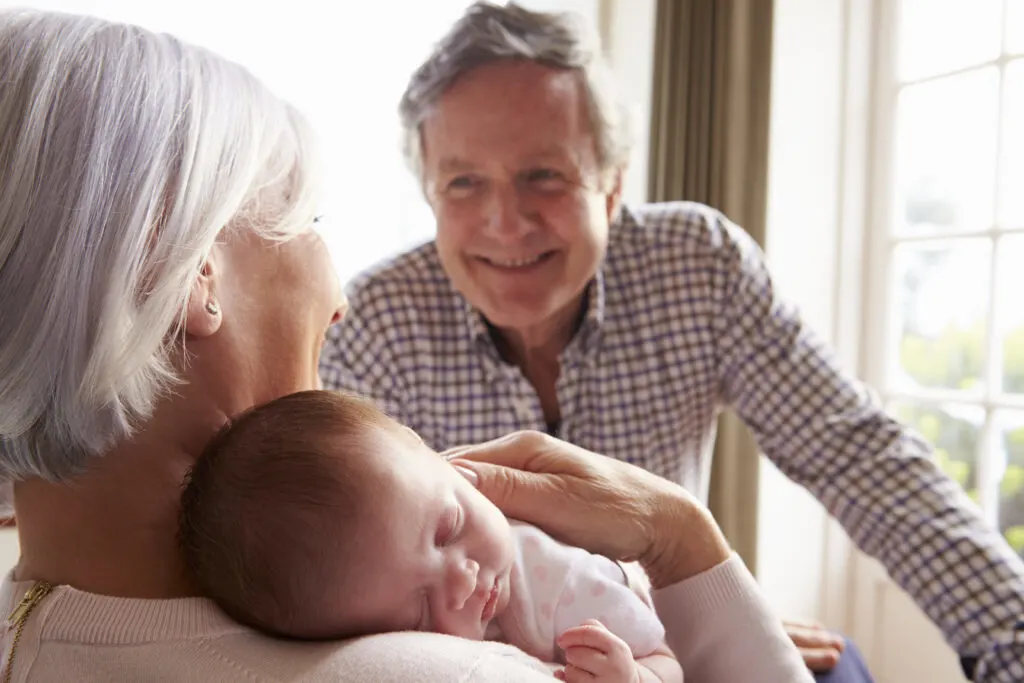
{"x":203,"y":315}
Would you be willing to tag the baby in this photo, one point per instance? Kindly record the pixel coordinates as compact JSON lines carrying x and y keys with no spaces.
{"x":316,"y":516}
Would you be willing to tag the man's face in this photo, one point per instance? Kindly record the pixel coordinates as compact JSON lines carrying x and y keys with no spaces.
{"x":522,"y":207}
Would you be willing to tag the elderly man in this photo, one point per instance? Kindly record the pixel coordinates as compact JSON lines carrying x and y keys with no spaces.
{"x":545,"y":304}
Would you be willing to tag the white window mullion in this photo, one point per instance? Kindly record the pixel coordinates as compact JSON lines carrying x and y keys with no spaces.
{"x":955,"y":235}
{"x":991,"y":462}
{"x":993,"y":360}
{"x":936,"y":397}
{"x":990,"y":468}
{"x":991,"y":455}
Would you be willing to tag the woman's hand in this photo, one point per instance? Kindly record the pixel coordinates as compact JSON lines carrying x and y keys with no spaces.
{"x":597,"y":503}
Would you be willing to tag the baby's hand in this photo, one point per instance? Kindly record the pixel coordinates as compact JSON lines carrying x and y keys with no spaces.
{"x":596,"y":655}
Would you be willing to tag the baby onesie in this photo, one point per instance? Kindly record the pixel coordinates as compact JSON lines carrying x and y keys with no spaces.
{"x":554,"y":587}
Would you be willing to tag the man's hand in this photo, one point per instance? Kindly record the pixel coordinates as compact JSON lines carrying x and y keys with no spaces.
{"x":819,"y":648}
{"x":593,"y":654}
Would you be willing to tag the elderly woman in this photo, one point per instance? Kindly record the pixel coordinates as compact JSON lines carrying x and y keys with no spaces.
{"x":158,"y":273}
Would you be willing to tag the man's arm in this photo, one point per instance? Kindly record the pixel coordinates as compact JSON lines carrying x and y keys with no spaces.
{"x":825,"y":431}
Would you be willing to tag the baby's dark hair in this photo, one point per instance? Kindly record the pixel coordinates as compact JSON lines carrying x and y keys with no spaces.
{"x":273,"y":504}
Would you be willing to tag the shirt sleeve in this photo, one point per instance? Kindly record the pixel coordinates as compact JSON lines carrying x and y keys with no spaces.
{"x":722,"y":630}
{"x":826,"y":432}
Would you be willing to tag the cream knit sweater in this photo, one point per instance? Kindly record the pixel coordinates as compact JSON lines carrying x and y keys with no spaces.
{"x":718,"y":625}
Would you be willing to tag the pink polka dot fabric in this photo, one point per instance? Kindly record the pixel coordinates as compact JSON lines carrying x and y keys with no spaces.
{"x":555,"y":587}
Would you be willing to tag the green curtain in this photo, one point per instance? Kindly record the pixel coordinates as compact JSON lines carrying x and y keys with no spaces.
{"x":709,"y":143}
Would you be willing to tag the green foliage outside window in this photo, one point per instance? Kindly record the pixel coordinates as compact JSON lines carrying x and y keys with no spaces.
{"x":955,"y":360}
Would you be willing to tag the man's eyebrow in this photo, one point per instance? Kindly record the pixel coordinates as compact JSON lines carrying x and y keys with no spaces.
{"x":454,"y":164}
{"x":552,"y":153}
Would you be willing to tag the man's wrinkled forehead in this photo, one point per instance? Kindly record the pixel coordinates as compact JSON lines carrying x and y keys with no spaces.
{"x":508,"y":96}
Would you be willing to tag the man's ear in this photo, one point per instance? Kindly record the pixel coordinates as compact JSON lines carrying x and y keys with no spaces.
{"x":613,"y":196}
{"x":203,"y":314}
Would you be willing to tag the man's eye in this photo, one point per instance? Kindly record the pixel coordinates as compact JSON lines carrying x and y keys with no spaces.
{"x":545,"y":179}
{"x":462,"y":183}
{"x":542,"y":174}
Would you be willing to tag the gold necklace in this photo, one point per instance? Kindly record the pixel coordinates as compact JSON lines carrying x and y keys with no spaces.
{"x":19,"y":616}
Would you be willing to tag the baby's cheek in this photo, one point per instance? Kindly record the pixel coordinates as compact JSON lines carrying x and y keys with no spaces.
{"x":502,"y":534}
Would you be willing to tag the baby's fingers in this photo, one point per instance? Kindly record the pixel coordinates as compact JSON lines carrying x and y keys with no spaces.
{"x":592,"y":634}
{"x":572,"y":674}
{"x":589,"y":661}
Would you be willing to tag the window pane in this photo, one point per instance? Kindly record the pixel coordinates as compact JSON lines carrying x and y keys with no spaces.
{"x":954,"y":430}
{"x":1015,"y":26}
{"x":1011,"y":184}
{"x":939,"y":298}
{"x":937,"y":36}
{"x":1010,"y":442}
{"x":1010,"y":316}
{"x":946,"y":154}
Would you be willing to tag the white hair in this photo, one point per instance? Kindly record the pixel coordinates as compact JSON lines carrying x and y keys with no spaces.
{"x":123,"y":154}
{"x":488,"y":33}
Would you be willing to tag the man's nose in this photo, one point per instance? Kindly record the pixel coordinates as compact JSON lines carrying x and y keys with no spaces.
{"x":507,"y":220}
{"x":462,"y":582}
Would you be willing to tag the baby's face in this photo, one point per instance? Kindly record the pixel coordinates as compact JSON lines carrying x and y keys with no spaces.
{"x":437,"y":553}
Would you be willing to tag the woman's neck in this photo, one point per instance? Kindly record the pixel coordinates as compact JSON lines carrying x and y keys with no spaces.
{"x":102,"y":533}
{"x":113,"y":529}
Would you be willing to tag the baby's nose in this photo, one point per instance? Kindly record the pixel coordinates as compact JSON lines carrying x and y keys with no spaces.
{"x":463,"y":583}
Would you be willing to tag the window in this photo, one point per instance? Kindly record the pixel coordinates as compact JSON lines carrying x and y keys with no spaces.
{"x":948,"y":318}
{"x":345,"y":66}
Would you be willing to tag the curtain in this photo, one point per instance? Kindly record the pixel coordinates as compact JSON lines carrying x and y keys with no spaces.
{"x":709,"y":143}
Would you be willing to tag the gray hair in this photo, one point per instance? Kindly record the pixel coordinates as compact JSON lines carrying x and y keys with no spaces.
{"x":123,"y":154}
{"x":488,"y":33}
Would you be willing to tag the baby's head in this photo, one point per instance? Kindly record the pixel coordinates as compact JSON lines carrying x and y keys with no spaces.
{"x":316,"y":516}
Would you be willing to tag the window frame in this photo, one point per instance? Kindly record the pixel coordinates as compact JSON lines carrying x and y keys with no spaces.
{"x":881,"y":242}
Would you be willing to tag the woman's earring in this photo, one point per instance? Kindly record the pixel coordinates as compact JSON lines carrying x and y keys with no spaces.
{"x":212,"y":308}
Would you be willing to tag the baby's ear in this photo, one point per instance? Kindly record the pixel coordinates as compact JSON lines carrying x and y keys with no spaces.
{"x":413,"y":432}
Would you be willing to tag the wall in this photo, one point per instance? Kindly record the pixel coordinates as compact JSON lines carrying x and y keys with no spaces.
{"x":627,"y":36}
{"x":628,"y":30}
{"x":799,"y":563}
